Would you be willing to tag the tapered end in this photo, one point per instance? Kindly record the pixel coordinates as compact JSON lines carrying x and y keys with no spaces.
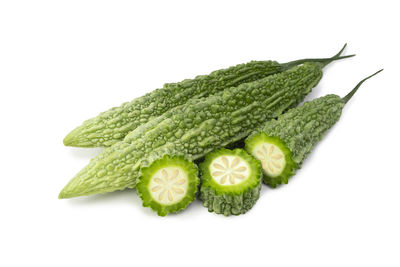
{"x":78,"y":138}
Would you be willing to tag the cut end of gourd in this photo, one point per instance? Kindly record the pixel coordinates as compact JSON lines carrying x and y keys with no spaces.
{"x":231,"y":181}
{"x":271,"y":157}
{"x":168,"y":185}
{"x":229,"y":170}
{"x":275,"y":157}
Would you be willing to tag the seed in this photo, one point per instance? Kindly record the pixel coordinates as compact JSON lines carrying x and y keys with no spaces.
{"x":276,"y":164}
{"x":264,"y":165}
{"x":218,"y":166}
{"x":264,"y":148}
{"x":161,"y":195}
{"x":225,"y":161}
{"x":156,"y":188}
{"x":239,"y":176}
{"x":241,"y":169}
{"x":170,"y":197}
{"x":217,"y":173}
{"x":164,"y":174}
{"x":271,"y":150}
{"x":178,"y":190}
{"x":223,"y":179}
{"x":158,"y":181}
{"x":231,"y":179}
{"x":174,"y":174}
{"x":279,"y":156}
{"x":180,"y":182}
{"x":260,"y":154}
{"x":270,"y":167}
{"x":235,"y":162}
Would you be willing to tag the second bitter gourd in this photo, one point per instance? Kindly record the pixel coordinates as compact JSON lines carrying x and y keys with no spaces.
{"x":113,"y":125}
{"x":282,"y":144}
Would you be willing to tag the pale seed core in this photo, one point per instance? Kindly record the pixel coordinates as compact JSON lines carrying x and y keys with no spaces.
{"x":229,"y":170}
{"x":272,"y":158}
{"x":168,"y":185}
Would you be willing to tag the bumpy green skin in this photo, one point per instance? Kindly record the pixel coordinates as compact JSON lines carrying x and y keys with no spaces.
{"x":113,"y":125}
{"x":290,"y":166}
{"x":301,"y":128}
{"x":146,"y":173}
{"x":195,"y":129}
{"x":232,"y":199}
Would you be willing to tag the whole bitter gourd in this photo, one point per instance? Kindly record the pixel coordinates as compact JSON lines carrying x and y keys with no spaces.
{"x":231,"y":181}
{"x":113,"y":125}
{"x":195,"y":129}
{"x":168,"y":185}
{"x":282,"y":144}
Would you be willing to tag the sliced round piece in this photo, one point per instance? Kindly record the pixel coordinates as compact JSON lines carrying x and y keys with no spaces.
{"x":169,"y":184}
{"x":231,"y":181}
{"x":276,"y":159}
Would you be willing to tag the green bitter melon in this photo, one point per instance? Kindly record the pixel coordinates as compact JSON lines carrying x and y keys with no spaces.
{"x":195,"y":129}
{"x":168,"y":185}
{"x":282,"y":144}
{"x":231,"y":181}
{"x":113,"y":125}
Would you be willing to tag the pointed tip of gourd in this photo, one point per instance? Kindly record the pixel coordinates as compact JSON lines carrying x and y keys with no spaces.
{"x":352,"y":92}
{"x":76,"y":139}
{"x":65,"y":193}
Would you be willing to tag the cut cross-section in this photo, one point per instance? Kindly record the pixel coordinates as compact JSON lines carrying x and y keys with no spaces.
{"x":276,"y":159}
{"x":229,"y":170}
{"x":271,"y":157}
{"x":231,"y":181}
{"x":168,"y":185}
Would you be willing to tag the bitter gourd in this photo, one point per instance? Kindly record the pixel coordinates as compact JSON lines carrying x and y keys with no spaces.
{"x":168,"y":185}
{"x":282,"y":144}
{"x":195,"y":129}
{"x":231,"y":181}
{"x":113,"y":125}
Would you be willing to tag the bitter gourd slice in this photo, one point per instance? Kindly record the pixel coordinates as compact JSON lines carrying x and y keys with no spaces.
{"x":282,"y":144}
{"x":195,"y":129}
{"x":231,"y":181}
{"x":169,"y":184}
{"x":275,"y":157}
{"x":113,"y":125}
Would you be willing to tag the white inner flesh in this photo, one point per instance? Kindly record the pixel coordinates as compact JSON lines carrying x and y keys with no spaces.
{"x":271,"y":157}
{"x":168,"y":185}
{"x":229,"y":170}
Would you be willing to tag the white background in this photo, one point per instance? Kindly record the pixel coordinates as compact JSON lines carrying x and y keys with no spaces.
{"x":62,"y":62}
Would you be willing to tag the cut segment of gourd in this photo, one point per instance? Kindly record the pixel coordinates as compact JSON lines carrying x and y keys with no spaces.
{"x":169,"y":184}
{"x":231,"y":181}
{"x":276,"y":159}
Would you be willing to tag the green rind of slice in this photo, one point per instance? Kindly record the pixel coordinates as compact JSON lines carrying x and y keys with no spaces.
{"x":168,"y":184}
{"x":239,"y":190}
{"x":275,"y":157}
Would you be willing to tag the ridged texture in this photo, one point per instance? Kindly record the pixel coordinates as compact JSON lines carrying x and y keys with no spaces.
{"x":229,"y":204}
{"x":113,"y":125}
{"x":147,"y":173}
{"x":230,"y":199}
{"x":301,"y":128}
{"x":195,"y":129}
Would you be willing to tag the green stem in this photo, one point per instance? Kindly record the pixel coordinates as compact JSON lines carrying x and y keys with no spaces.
{"x":352,"y":92}
{"x":323,"y":61}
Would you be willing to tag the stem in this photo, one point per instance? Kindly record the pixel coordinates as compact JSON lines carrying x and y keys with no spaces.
{"x":323,"y":61}
{"x":352,"y":92}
